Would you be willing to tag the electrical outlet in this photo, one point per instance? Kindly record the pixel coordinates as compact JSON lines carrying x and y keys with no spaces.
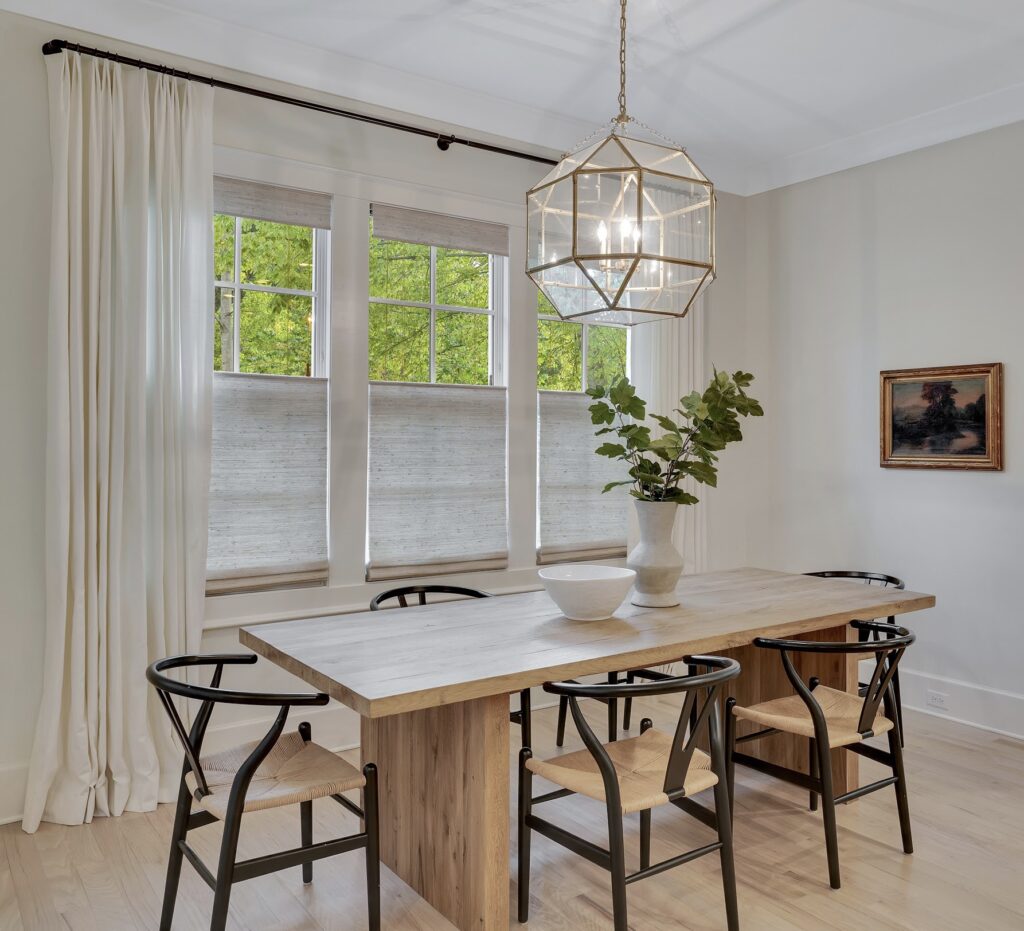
{"x":937,"y":700}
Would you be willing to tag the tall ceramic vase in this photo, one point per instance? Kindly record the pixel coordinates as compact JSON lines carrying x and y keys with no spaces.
{"x":657,"y":562}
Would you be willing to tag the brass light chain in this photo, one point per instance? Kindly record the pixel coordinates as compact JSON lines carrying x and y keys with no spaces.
{"x":622,"y":117}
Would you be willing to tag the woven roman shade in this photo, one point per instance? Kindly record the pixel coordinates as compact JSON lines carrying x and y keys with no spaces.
{"x":577,"y":521}
{"x":437,"y":490}
{"x":268,"y":482}
{"x":435,"y":229}
{"x":257,"y":201}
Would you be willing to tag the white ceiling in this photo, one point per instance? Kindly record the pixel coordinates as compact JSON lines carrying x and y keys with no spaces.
{"x":762,"y":92}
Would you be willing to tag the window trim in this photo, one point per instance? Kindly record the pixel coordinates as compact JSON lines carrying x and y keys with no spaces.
{"x":497,"y":310}
{"x":319,"y":296}
{"x":585,"y":348}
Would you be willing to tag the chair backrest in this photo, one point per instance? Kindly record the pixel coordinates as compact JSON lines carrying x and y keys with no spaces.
{"x":705,"y":715}
{"x":869,"y":578}
{"x":211,"y":695}
{"x":403,"y":594}
{"x":888,"y":645}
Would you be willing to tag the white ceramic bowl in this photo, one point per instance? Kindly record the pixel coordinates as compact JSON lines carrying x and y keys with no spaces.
{"x":587,"y":593}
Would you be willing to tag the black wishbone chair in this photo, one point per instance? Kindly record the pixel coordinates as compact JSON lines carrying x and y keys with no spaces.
{"x":636,"y":775}
{"x":401,"y":595}
{"x":881,"y":580}
{"x":274,"y":771}
{"x":831,"y":720}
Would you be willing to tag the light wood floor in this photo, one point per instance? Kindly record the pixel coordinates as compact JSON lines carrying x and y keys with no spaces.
{"x":967,"y":802}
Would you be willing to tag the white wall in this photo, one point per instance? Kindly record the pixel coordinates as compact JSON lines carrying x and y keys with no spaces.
{"x":912,"y":261}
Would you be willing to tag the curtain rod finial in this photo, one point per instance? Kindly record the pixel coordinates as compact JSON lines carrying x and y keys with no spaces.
{"x":53,"y":47}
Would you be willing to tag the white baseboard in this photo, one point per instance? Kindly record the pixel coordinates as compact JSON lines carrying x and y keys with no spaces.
{"x":989,"y":709}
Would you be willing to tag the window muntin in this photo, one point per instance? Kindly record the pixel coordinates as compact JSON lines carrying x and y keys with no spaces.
{"x":575,"y":356}
{"x":269,"y":314}
{"x":434,"y":314}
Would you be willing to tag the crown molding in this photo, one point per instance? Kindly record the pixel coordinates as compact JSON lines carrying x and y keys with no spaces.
{"x":158,"y":27}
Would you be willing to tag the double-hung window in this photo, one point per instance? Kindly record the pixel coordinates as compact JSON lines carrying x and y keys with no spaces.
{"x":268,"y":486}
{"x":438,"y":407}
{"x":574,"y":519}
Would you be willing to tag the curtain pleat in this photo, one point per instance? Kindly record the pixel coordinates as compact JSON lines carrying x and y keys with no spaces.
{"x":128,"y":429}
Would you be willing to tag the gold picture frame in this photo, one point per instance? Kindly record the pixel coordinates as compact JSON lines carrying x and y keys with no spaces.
{"x":925,"y":425}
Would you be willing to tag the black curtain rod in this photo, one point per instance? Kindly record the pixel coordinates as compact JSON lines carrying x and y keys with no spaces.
{"x":444,"y":141}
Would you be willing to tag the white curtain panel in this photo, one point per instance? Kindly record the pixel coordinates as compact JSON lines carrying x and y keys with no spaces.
{"x":667,"y":362}
{"x":128,"y":429}
{"x":577,"y":521}
{"x":437,"y":489}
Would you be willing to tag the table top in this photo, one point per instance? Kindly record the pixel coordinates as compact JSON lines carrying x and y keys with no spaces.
{"x":388,"y":662}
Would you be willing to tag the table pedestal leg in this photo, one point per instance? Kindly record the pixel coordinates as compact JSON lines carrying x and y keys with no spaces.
{"x":763,"y":678}
{"x":444,"y":797}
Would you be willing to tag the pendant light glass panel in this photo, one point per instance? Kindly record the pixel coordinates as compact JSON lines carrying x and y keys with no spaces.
{"x":622,"y":232}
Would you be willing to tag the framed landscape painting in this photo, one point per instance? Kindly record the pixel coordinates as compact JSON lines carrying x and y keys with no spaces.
{"x":949,"y":417}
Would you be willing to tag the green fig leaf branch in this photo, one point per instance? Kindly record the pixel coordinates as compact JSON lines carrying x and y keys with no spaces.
{"x":688,"y":444}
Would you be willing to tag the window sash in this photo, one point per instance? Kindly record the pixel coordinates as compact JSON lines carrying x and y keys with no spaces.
{"x":319,"y":295}
{"x":495,"y":305}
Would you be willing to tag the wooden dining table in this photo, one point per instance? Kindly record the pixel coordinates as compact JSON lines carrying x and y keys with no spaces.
{"x":432,"y":685}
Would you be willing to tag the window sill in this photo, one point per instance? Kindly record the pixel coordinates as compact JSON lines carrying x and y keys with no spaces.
{"x":227,"y":611}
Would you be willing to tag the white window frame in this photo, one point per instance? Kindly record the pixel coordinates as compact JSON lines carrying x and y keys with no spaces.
{"x":497,"y":270}
{"x":319,"y":295}
{"x":585,"y":347}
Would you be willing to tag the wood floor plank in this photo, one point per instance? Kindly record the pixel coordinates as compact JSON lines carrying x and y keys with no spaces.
{"x":10,"y":914}
{"x":965,"y":791}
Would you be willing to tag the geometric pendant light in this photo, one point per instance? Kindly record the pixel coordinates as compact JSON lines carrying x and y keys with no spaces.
{"x":623,"y":229}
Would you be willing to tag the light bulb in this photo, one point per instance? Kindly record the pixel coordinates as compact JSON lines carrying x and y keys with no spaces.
{"x":602,"y":232}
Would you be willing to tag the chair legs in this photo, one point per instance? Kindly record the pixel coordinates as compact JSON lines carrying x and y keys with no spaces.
{"x":724,"y":819}
{"x":306,"y":813}
{"x":228,"y":865}
{"x":828,"y":811}
{"x":645,"y":838}
{"x":616,"y":847}
{"x":730,"y":755}
{"x":525,"y":803}
{"x":525,"y":718}
{"x":226,"y":868}
{"x":627,"y":704}
{"x":306,"y":822}
{"x":902,"y":804}
{"x":181,"y":814}
{"x":812,"y":771}
{"x":613,"y":711}
{"x":371,"y":824}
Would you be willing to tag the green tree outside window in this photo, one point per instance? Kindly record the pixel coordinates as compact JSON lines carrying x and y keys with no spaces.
{"x":417,"y":333}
